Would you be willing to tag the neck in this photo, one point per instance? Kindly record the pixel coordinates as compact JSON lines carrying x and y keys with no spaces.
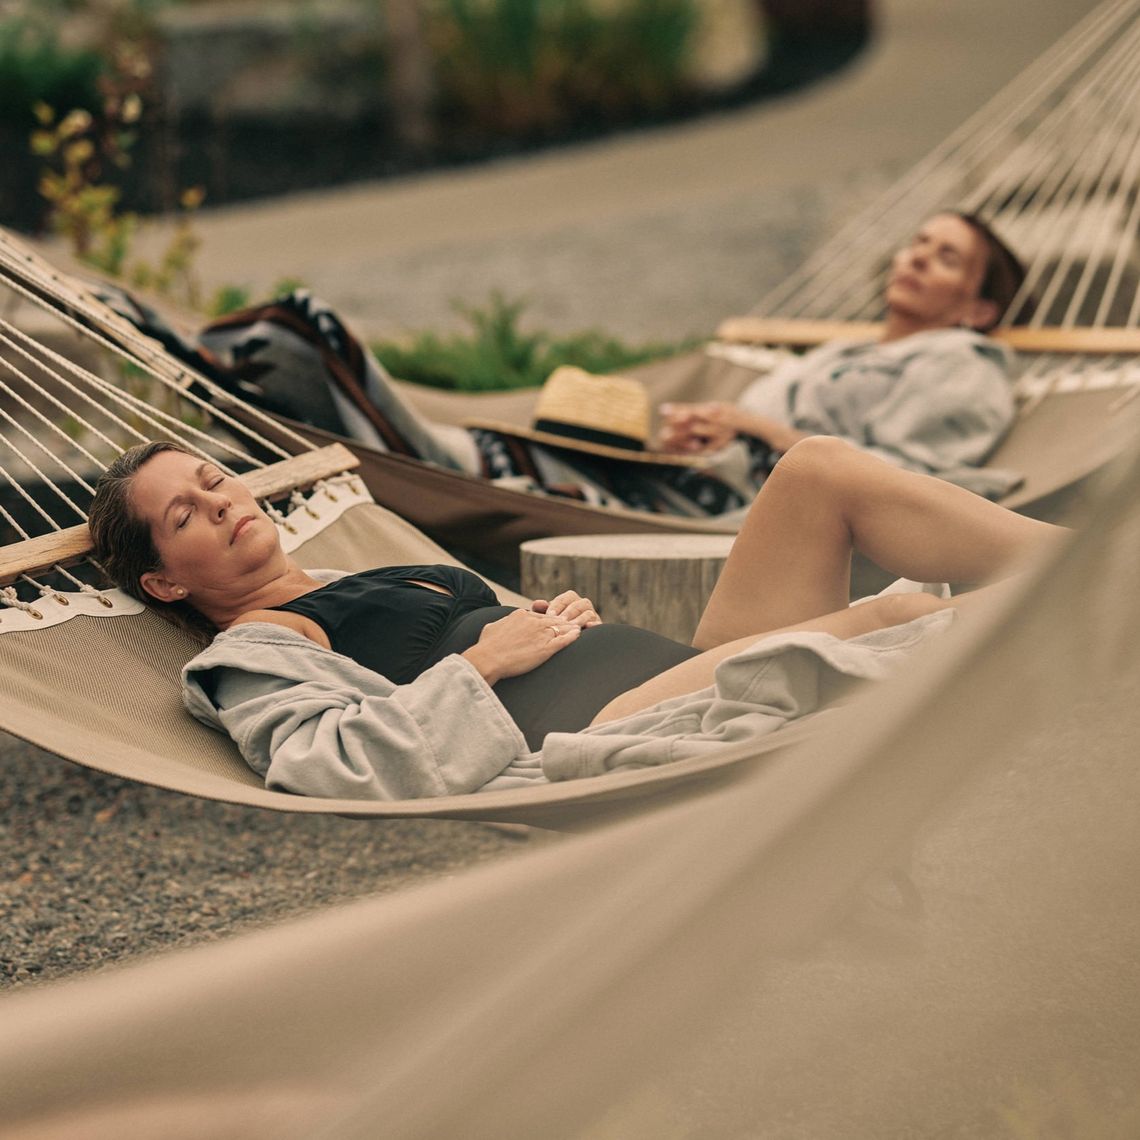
{"x":897,"y":325}
{"x":276,"y":585}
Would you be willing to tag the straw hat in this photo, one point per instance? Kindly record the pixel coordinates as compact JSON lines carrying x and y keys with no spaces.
{"x":599,"y":415}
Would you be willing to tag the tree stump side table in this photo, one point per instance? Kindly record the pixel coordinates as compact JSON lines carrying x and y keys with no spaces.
{"x":657,"y":581}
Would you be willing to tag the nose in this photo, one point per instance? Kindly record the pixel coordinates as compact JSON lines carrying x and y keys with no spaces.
{"x":219,"y":505}
{"x":917,"y":255}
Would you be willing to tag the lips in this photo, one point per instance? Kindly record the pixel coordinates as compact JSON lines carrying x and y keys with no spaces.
{"x":242,"y":523}
{"x":906,"y":280}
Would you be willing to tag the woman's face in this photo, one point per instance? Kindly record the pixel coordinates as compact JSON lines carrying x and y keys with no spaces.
{"x":934,"y":281}
{"x":210,"y":533}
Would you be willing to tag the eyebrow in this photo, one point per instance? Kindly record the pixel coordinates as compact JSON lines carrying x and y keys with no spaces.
{"x":181,"y":498}
{"x":943,"y":244}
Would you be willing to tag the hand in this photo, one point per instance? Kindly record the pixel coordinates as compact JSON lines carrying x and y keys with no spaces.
{"x":569,"y":606}
{"x":519,"y":642}
{"x":697,"y":428}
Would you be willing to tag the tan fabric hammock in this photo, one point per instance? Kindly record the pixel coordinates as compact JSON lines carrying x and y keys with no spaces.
{"x":1053,"y":159}
{"x":89,"y":674}
{"x":684,"y":975}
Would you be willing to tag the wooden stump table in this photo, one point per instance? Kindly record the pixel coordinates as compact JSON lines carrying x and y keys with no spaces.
{"x":657,"y":581}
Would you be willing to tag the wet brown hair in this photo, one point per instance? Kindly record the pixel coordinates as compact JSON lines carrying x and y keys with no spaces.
{"x":1004,"y":271}
{"x":123,"y":543}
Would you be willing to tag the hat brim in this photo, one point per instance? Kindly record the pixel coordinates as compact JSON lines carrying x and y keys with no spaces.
{"x":602,"y":450}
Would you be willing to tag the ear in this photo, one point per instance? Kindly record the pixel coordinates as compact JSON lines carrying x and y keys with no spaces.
{"x":161,"y":588}
{"x":983,"y":314}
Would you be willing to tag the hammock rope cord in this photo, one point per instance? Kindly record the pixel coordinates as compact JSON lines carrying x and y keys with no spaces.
{"x":53,"y":294}
{"x":62,"y":571}
{"x":38,"y":471}
{"x":48,"y":424}
{"x":137,"y":406}
{"x":1059,"y":174}
{"x":8,"y":597}
{"x":59,"y":415}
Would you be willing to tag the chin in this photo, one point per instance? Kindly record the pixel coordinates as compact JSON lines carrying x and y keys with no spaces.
{"x":900,"y":301}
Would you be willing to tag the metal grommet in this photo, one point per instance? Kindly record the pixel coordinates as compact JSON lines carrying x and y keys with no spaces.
{"x":106,"y":602}
{"x":36,"y":614}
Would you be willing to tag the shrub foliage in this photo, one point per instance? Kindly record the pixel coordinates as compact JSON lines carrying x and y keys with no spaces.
{"x":496,"y":353}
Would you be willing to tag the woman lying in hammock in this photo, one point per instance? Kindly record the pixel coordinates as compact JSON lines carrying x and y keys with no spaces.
{"x":932,"y":394}
{"x":413,"y":681}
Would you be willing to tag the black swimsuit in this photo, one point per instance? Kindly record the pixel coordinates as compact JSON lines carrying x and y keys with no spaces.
{"x":384,"y":621}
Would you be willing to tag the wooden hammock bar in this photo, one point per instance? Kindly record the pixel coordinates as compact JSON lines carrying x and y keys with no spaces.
{"x":793,"y":333}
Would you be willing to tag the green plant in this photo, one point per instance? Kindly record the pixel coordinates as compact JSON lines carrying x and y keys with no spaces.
{"x":525,"y":66}
{"x":498,"y":354}
{"x":81,"y":152}
{"x":35,"y":68}
{"x":228,"y":299}
{"x":233,"y":298}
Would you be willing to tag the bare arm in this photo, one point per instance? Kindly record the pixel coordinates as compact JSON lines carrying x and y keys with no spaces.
{"x":700,"y":428}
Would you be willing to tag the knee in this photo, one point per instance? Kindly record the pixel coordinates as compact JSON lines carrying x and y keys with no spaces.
{"x":898,"y":609}
{"x":818,"y":453}
{"x":817,"y":461}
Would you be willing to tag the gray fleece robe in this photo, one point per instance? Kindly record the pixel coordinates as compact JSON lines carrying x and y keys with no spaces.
{"x":937,"y":402}
{"x":313,"y":722}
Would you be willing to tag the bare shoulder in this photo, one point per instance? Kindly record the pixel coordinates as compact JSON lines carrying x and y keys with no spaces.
{"x":296,"y":622}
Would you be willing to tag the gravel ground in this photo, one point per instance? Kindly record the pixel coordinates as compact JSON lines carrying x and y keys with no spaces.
{"x":96,"y":869}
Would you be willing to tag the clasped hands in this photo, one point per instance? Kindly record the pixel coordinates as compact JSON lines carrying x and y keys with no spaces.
{"x":697,"y":428}
{"x":524,"y":639}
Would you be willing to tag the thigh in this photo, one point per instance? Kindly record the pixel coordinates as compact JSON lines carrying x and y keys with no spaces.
{"x":697,"y":673}
{"x":791,"y":561}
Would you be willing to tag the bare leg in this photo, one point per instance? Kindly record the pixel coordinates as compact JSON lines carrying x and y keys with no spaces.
{"x":792,"y":559}
{"x":697,"y":672}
